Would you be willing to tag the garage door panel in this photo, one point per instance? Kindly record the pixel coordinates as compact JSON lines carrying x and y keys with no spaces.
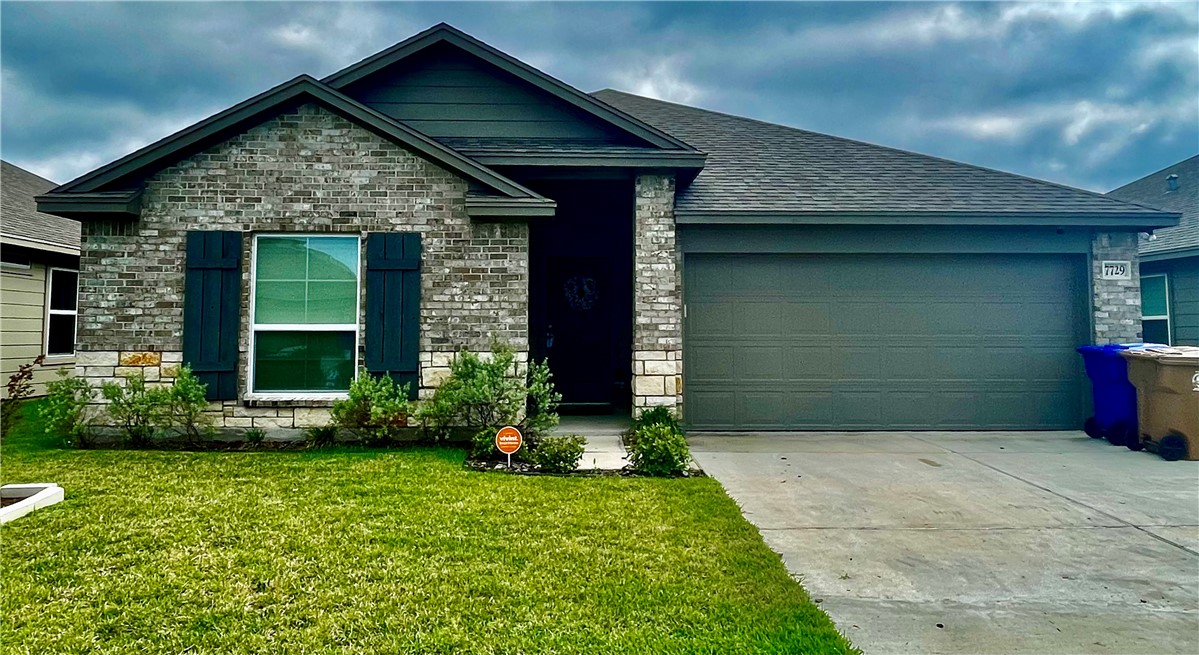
{"x":884,"y":342}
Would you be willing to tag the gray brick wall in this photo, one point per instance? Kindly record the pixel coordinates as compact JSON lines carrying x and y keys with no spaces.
{"x":1116,"y":304}
{"x":309,"y":171}
{"x":658,"y":296}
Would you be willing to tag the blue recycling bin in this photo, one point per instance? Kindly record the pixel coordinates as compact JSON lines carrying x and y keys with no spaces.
{"x":1115,"y":398}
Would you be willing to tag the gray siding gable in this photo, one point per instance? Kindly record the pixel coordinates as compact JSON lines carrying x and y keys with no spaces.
{"x":445,"y":92}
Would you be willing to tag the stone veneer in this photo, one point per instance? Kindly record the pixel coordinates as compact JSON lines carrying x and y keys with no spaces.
{"x":307,"y":171}
{"x":658,"y":297}
{"x":1116,"y":304}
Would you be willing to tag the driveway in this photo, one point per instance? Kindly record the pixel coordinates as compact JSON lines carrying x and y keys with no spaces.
{"x":1018,"y":542}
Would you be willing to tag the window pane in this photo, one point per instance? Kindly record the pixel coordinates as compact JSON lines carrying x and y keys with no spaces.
{"x":306,"y":280}
{"x":303,"y":361}
{"x":63,"y":289}
{"x":332,"y":302}
{"x":60,"y":335}
{"x":282,"y":258}
{"x":279,"y":302}
{"x":332,"y":258}
{"x":1155,"y":331}
{"x":1153,"y":296}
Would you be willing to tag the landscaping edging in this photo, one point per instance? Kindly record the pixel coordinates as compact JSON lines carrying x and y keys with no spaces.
{"x":33,"y":496}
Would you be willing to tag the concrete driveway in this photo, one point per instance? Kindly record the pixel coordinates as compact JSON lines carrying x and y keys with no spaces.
{"x":1019,"y":542}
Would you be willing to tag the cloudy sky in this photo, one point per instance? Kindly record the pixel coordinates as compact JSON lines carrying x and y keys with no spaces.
{"x":1088,"y":94}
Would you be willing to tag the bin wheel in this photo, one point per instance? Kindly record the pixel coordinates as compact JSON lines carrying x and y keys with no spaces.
{"x":1091,"y":427}
{"x":1119,"y":434}
{"x":1172,"y":447}
{"x":1131,"y":437}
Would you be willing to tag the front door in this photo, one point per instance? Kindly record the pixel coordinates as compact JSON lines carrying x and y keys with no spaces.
{"x":579,"y":330}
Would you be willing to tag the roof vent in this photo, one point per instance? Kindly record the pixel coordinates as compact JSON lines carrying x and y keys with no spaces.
{"x":1172,"y":182}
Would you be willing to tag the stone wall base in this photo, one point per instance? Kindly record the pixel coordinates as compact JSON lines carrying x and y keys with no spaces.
{"x":657,"y":379}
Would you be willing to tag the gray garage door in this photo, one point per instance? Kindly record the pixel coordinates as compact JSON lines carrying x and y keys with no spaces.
{"x":884,"y":341}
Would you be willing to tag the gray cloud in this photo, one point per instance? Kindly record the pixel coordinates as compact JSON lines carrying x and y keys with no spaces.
{"x":1088,"y":94}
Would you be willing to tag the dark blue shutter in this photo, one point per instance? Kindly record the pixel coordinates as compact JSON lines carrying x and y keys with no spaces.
{"x":393,"y":306}
{"x":212,"y":310}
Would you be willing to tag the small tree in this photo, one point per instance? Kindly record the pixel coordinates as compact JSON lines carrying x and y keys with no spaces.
{"x":19,"y":388}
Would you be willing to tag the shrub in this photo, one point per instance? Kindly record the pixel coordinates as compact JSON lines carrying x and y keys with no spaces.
{"x":659,"y":450}
{"x":558,"y":454}
{"x":484,"y":394}
{"x":321,"y":435}
{"x":648,"y":417}
{"x":19,"y":387}
{"x":482,"y":444}
{"x":185,"y":405}
{"x":255,"y":437}
{"x":137,"y":410}
{"x":64,"y":411}
{"x":377,"y":410}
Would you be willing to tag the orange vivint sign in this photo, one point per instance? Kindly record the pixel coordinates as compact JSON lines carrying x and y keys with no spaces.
{"x":508,"y":440}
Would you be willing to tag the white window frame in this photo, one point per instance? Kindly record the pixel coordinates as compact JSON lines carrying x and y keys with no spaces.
{"x":50,"y":270}
{"x":1166,"y":317}
{"x":254,"y":328}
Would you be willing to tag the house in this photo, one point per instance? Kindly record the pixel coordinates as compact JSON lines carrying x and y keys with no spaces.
{"x":39,"y":264}
{"x":441,"y":194}
{"x":1169,"y":256}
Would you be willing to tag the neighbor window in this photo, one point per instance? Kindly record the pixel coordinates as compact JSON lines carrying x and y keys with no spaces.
{"x":1155,"y":308}
{"x":61,"y":311}
{"x":305,"y":310}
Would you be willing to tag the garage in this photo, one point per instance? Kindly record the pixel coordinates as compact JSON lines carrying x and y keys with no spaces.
{"x":864,"y":341}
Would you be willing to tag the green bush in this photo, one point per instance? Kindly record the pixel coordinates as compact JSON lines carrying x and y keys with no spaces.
{"x":482,"y":444}
{"x":320,"y":436}
{"x":558,"y":454}
{"x":376,"y":411}
{"x":255,"y":437}
{"x":647,"y":417}
{"x":137,"y":410}
{"x":485,"y":394}
{"x":185,"y":405}
{"x":659,"y":449}
{"x":64,"y":411}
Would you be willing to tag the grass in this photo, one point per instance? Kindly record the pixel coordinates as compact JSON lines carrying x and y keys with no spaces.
{"x":400,"y":551}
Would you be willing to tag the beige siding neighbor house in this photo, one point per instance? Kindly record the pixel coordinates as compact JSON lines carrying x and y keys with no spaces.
{"x":39,"y":264}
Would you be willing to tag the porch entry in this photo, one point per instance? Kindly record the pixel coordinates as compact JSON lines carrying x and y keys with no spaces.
{"x":581,"y":294}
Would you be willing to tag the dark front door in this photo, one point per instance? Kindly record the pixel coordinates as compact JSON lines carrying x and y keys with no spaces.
{"x":579,"y":330}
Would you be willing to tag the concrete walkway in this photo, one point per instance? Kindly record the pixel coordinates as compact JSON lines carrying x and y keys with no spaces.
{"x":604,"y":451}
{"x":1041,"y":542}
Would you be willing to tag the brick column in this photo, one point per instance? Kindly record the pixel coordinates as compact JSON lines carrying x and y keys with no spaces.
{"x":658,"y":297}
{"x":1116,"y":304}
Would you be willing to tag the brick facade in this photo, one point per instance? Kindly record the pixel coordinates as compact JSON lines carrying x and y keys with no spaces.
{"x":1115,"y":304}
{"x":308,"y":171}
{"x":658,"y":296}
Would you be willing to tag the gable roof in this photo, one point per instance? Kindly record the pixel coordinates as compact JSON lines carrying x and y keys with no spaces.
{"x":1153,"y":189}
{"x":763,"y":172}
{"x":117,"y":177}
{"x":21,"y":224}
{"x":444,"y":33}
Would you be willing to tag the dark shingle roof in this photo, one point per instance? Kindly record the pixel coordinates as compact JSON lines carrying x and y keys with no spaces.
{"x":754,"y":166}
{"x":19,"y":217}
{"x":1152,"y":190}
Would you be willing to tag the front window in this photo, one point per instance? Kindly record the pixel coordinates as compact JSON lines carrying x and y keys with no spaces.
{"x":305,"y":310}
{"x":1155,"y":308}
{"x":61,"y":312}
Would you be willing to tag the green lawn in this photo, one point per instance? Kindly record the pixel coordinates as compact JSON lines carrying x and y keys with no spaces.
{"x":403,"y":551}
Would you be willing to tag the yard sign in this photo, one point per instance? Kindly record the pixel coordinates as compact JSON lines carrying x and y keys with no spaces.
{"x":508,"y":440}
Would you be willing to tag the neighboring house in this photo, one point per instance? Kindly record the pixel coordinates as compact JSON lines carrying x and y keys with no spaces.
{"x":1170,"y":256}
{"x":441,"y":194}
{"x":39,"y":263}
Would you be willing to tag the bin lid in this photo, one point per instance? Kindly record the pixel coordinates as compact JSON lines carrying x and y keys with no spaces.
{"x":1166,"y":355}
